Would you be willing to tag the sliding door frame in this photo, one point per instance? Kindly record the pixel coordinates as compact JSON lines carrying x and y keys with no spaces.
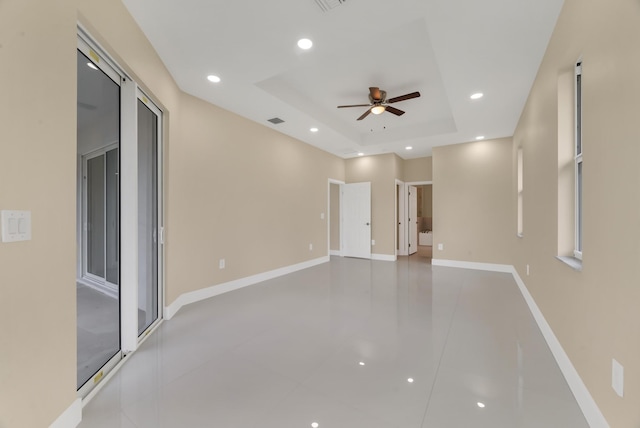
{"x":129,"y":257}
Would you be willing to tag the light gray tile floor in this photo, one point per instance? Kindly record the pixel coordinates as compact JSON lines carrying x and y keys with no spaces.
{"x":337,"y":344}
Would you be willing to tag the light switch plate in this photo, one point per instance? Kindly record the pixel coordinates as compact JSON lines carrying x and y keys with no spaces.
{"x":16,"y":225}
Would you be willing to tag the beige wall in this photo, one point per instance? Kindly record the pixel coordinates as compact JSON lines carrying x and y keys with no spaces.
{"x":214,"y":212}
{"x":473,"y":211}
{"x":419,"y":169}
{"x":427,"y":200}
{"x":594,"y":313}
{"x":38,"y":173}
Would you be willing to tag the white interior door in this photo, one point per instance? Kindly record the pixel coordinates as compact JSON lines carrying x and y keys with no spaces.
{"x":413,"y":219}
{"x":356,"y":200}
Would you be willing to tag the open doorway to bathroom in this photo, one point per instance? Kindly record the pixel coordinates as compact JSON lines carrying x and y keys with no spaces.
{"x":424,"y":220}
{"x":415,"y":214}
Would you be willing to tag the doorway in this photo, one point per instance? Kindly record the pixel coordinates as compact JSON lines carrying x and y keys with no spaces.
{"x":417,"y":217}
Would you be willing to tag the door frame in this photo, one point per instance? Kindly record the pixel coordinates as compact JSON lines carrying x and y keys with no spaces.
{"x":89,"y":279}
{"x":400,"y":222}
{"x":406,"y":205}
{"x":97,"y":56}
{"x":148,"y":102}
{"x":330,"y":220}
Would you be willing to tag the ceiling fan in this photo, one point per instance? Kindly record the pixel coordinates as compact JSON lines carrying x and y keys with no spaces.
{"x":379,"y":102}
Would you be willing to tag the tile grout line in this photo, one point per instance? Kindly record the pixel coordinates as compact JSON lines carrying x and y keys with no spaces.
{"x":444,"y":347}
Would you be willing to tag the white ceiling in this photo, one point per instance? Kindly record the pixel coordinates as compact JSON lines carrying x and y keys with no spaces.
{"x":446,"y":49}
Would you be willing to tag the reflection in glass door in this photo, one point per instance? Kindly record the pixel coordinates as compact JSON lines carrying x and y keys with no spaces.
{"x":102,"y":220}
{"x":97,"y":284}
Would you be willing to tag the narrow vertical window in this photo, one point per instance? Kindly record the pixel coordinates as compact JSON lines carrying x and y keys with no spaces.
{"x":520,"y":189}
{"x":578,"y":162}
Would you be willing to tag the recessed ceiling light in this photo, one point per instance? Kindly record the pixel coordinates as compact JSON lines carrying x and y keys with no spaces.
{"x":305,"y":44}
{"x":410,"y":380}
{"x":92,"y":65}
{"x":315,"y":425}
{"x":313,"y":129}
{"x":361,"y":363}
{"x":480,"y":137}
{"x":481,"y":405}
{"x":477,"y":96}
{"x":213,"y":78}
{"x":409,"y":148}
{"x":360,"y":154}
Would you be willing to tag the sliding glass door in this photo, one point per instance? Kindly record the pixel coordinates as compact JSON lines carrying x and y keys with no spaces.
{"x":119,"y":211}
{"x":148,"y":230}
{"x":97,"y":284}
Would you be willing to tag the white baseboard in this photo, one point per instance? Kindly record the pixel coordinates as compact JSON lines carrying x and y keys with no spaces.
{"x":384,"y":257}
{"x":205,"y":293}
{"x":335,"y":253}
{"x":71,"y":417}
{"x":587,"y":404}
{"x":491,"y":267}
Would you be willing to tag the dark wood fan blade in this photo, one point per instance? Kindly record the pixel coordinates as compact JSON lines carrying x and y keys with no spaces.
{"x":394,"y":110}
{"x":375,"y":93}
{"x":355,"y":105}
{"x":365,"y":114}
{"x":404,"y":97}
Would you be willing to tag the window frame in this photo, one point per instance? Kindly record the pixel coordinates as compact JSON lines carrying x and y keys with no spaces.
{"x":578,"y":164}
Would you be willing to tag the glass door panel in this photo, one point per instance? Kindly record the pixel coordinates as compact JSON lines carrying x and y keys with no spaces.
{"x":98,"y":293}
{"x":147,"y":217}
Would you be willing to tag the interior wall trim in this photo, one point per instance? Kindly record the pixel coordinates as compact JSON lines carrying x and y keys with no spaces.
{"x":587,"y":404}
{"x":335,"y":253}
{"x":71,"y":417}
{"x":215,"y":290}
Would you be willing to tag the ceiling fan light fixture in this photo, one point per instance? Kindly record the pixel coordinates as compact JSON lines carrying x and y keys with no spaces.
{"x":305,"y":44}
{"x":377,"y":109}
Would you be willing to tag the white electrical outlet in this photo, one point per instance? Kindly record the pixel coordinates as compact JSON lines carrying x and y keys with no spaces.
{"x":310,"y":247}
{"x":321,"y":216}
{"x":440,"y":247}
{"x":373,"y":242}
{"x":527,"y":270}
{"x":222,"y":263}
{"x":617,"y":377}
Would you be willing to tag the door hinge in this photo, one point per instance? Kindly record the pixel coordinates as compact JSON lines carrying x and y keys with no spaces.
{"x":162,"y":236}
